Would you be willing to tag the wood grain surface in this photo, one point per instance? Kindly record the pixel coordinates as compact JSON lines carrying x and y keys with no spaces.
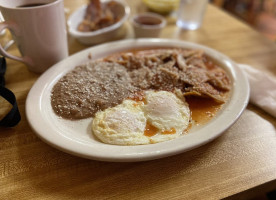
{"x":243,"y":158}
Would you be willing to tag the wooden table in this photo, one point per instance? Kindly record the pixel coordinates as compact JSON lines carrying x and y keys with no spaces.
{"x":242,"y":160}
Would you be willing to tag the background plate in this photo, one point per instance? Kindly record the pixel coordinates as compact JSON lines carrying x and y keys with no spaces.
{"x":75,"y":137}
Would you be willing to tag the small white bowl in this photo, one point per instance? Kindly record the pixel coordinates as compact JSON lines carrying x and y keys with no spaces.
{"x":112,"y":32}
{"x":148,"y":25}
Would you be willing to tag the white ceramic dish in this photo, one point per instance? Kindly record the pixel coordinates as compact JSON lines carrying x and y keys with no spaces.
{"x":115,"y":31}
{"x":75,"y":137}
{"x":148,"y":25}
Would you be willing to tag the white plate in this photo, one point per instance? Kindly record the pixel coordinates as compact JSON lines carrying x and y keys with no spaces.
{"x":74,"y":137}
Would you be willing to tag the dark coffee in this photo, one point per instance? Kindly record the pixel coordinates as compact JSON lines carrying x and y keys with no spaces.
{"x":31,"y":5}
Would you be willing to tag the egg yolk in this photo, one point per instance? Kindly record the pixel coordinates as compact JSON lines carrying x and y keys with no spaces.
{"x":171,"y":131}
{"x":150,"y":130}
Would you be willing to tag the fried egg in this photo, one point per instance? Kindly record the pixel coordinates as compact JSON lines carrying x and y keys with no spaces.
{"x":161,"y":116}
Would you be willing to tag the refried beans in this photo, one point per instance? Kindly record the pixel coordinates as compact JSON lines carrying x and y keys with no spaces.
{"x":90,"y":88}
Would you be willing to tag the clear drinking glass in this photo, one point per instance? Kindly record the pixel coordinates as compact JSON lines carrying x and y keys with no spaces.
{"x":190,"y":13}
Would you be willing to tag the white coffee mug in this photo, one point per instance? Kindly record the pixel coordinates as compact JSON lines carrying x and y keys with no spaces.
{"x":39,"y":30}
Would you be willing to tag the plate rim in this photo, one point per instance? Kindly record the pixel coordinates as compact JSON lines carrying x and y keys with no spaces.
{"x":136,"y":153}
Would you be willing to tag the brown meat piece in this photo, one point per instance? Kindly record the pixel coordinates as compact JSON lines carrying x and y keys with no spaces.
{"x":191,"y":71}
{"x":98,"y":16}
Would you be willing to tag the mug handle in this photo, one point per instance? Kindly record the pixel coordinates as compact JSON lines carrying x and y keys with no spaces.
{"x":6,"y":25}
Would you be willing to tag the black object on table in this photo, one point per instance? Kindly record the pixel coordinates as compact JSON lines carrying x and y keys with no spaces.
{"x":13,"y":117}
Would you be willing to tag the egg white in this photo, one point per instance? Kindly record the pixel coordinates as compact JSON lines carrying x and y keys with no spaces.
{"x":123,"y":124}
{"x":166,"y":111}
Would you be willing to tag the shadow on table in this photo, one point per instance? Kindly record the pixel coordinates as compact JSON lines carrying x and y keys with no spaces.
{"x":265,"y":191}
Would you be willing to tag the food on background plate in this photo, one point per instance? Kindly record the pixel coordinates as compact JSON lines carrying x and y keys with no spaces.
{"x":99,"y":15}
{"x":143,"y":96}
{"x":162,"y":6}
